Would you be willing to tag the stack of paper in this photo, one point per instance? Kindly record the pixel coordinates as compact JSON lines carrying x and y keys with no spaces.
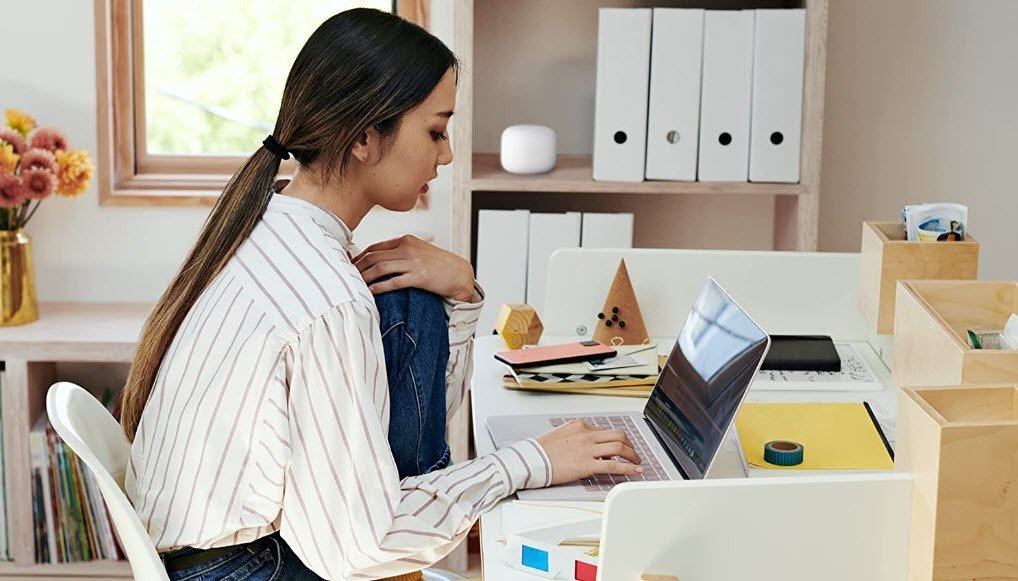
{"x":633,"y":372}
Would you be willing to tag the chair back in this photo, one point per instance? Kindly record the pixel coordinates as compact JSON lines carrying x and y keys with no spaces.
{"x":92,"y":433}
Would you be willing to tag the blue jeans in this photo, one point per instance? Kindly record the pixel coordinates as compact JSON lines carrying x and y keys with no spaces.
{"x":415,"y":338}
{"x":268,"y":558}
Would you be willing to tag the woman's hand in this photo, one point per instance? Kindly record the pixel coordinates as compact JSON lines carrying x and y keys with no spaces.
{"x":577,"y":451}
{"x":409,"y":262}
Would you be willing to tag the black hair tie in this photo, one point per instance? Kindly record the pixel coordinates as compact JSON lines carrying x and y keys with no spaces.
{"x":275,"y":148}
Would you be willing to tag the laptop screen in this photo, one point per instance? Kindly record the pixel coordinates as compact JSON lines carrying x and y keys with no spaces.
{"x":710,"y":368}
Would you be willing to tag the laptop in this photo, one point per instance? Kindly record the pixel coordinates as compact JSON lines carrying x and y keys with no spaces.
{"x":718,"y":352}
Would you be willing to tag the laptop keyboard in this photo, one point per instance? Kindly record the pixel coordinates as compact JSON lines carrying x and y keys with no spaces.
{"x":652,"y":469}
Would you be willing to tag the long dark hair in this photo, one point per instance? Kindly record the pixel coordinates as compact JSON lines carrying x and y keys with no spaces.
{"x":360,"y":69}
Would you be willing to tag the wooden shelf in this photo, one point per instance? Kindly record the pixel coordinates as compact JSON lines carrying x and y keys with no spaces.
{"x":77,"y":332}
{"x":90,"y":569}
{"x":574,"y":174}
{"x":551,"y":79}
{"x":91,"y":332}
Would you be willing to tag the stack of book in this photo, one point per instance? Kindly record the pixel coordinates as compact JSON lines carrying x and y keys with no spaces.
{"x":72,"y":523}
{"x":579,"y":378}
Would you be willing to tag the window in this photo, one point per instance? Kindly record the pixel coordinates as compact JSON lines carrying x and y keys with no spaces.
{"x":173,"y":126}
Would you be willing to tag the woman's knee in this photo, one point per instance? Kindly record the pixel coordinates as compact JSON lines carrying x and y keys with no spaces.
{"x":415,"y":304}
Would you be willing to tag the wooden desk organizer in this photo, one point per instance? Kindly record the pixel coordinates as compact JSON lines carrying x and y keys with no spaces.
{"x":961,"y":446}
{"x":931,"y":345}
{"x":888,"y":258}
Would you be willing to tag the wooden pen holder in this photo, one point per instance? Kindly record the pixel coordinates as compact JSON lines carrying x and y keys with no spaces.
{"x":931,"y":345}
{"x":887,"y":258}
{"x":961,"y":446}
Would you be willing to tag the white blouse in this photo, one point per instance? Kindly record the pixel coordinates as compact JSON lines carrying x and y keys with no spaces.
{"x":270,"y":412}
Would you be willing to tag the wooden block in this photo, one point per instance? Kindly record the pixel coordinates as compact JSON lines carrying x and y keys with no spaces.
{"x":648,"y":577}
{"x":931,"y":344}
{"x":620,"y":321}
{"x":518,"y":325}
{"x":887,"y":258}
{"x":959,"y":443}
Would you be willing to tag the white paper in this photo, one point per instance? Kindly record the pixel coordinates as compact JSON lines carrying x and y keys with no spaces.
{"x":855,"y":375}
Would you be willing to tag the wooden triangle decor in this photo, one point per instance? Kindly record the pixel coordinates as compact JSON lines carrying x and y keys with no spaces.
{"x":620,"y":322}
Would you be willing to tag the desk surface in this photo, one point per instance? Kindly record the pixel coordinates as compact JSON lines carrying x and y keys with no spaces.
{"x":490,"y":398}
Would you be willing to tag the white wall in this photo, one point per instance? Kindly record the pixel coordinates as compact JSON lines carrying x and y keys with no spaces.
{"x":920,"y":106}
{"x":921,"y":98}
{"x":92,"y":253}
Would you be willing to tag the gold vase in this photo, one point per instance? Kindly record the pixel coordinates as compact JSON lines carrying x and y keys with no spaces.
{"x":18,"y":304}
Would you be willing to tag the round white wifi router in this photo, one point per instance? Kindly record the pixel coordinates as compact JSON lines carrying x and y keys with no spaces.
{"x":528,"y":149}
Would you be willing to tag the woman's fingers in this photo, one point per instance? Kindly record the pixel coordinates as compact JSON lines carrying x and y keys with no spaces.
{"x":368,"y":259}
{"x":384,"y":269}
{"x":612,"y":449}
{"x":384,"y":245}
{"x":614,"y":467}
{"x":390,"y":284}
{"x":601,"y":436}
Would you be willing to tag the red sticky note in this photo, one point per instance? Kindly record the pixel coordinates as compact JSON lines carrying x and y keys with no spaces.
{"x":585,"y":571}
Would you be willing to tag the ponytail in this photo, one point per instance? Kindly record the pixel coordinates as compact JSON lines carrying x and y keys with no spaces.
{"x":360,"y":69}
{"x":231,"y":221}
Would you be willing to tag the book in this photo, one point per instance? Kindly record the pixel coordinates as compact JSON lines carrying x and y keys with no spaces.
{"x":72,"y":523}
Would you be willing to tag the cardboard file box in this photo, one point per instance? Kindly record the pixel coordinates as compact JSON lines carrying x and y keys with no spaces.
{"x":961,"y":446}
{"x":887,"y":258}
{"x":931,"y":345}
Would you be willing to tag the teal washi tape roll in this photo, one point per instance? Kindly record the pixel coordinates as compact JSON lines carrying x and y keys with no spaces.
{"x":783,"y":453}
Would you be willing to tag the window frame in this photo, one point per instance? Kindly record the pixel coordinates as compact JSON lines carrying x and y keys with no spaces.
{"x":127,"y":174}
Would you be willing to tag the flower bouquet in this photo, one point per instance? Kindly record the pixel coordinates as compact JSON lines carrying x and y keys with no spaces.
{"x":34,"y":164}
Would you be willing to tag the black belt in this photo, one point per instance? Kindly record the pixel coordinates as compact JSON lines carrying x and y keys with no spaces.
{"x":187,"y":560}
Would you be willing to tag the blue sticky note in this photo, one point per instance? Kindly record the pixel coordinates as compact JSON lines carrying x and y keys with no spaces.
{"x":535,"y":558}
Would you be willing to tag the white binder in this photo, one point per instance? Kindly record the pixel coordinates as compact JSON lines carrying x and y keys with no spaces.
{"x":502,"y":237}
{"x":673,"y":116}
{"x":607,"y":231}
{"x":725,"y":97}
{"x":548,"y":233}
{"x":620,"y":109}
{"x":780,"y":42}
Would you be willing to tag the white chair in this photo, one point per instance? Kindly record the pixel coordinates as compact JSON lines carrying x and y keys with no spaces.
{"x":89,"y":429}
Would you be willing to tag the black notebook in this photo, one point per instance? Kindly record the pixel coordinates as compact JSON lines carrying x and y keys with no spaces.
{"x":802,"y":353}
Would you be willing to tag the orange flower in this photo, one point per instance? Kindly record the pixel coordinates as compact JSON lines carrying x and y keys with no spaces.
{"x":74,"y":173}
{"x":8,"y":159}
{"x":20,"y":121}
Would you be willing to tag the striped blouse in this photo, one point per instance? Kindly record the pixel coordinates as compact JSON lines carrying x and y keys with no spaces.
{"x":270,"y":412}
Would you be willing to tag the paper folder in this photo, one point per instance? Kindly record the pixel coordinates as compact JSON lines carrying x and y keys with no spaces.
{"x":673,"y":117}
{"x":620,"y":108}
{"x":774,"y":149}
{"x":726,"y":95}
{"x":836,"y":436}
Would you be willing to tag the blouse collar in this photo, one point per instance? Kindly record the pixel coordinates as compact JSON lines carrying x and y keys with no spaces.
{"x":325,"y":218}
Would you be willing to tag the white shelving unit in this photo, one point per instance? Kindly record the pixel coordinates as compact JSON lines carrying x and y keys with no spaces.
{"x":557,"y":59}
{"x":65,"y":332}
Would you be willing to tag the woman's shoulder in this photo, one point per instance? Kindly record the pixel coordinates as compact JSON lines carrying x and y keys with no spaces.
{"x":298,"y":271}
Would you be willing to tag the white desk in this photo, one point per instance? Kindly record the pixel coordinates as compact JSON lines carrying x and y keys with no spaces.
{"x":786,"y":292}
{"x":490,"y":398}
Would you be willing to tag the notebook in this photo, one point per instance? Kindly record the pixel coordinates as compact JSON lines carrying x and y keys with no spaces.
{"x":802,"y":353}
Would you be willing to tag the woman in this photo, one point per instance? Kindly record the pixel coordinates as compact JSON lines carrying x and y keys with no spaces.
{"x":288,"y":399}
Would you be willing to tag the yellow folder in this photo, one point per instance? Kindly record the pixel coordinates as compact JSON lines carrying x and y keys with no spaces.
{"x":835,"y":436}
